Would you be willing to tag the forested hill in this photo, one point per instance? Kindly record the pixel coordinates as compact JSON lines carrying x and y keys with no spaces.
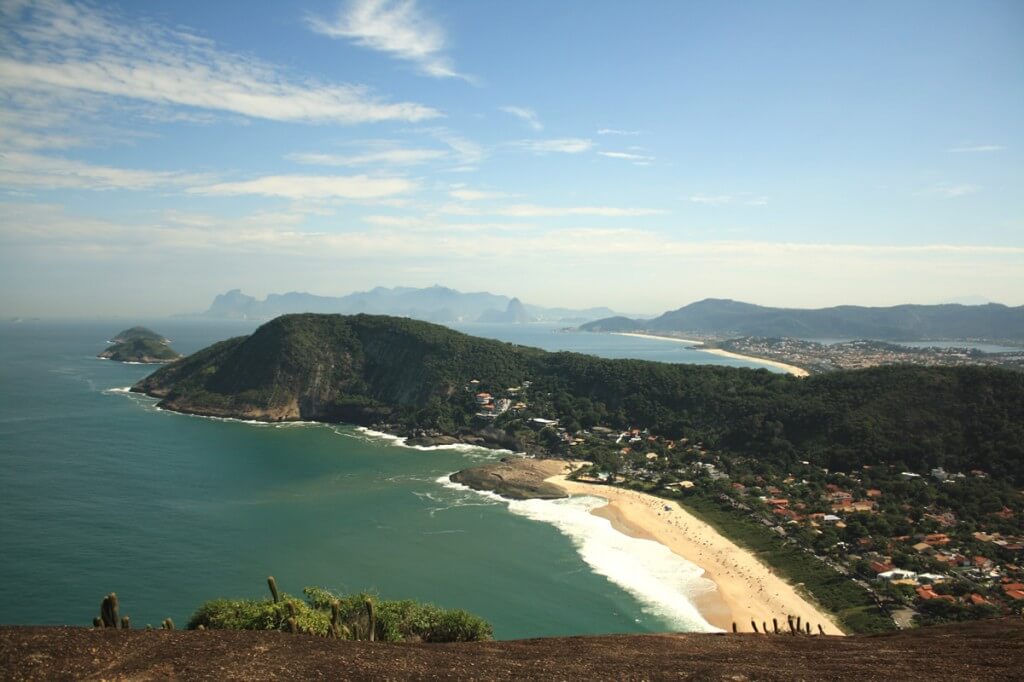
{"x":382,"y":370}
{"x":896,"y":323}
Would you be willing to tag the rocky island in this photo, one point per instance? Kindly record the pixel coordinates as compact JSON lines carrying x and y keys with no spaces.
{"x":139,"y":344}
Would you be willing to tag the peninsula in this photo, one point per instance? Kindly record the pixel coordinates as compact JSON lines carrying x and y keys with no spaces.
{"x":141,"y":345}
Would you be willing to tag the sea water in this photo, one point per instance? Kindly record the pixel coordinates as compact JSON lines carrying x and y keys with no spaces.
{"x":101,"y":491}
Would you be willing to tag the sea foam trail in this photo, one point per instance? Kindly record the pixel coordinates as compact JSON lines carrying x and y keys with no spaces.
{"x":665,"y":583}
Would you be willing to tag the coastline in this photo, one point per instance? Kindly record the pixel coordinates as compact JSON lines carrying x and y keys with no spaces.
{"x":789,"y":369}
{"x":746,"y":589}
{"x":698,"y":345}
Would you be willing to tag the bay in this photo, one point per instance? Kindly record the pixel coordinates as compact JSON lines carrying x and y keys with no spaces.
{"x":100,"y":492}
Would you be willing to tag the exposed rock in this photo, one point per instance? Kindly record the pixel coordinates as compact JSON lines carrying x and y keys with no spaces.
{"x":517,"y":478}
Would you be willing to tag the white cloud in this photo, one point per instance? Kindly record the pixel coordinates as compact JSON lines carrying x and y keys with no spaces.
{"x":977,"y":148}
{"x":628,"y":156}
{"x":532,"y":211}
{"x":529,"y":116}
{"x":565,"y":145}
{"x":311,"y":187}
{"x":389,"y":157}
{"x":613,"y":131}
{"x":27,"y":170}
{"x":744,"y":198}
{"x":952,"y":191}
{"x":61,"y":48}
{"x":396,"y":27}
{"x":463,"y":194}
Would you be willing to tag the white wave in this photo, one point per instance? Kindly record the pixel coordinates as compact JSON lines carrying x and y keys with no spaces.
{"x":119,"y":389}
{"x":402,"y":442}
{"x":665,"y":583}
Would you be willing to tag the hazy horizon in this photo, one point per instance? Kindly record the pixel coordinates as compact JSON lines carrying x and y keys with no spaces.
{"x":576,"y":154}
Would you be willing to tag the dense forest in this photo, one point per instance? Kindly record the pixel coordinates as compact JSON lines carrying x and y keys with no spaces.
{"x":415,"y":375}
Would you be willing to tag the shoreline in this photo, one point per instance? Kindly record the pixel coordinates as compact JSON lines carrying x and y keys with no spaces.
{"x":746,"y":589}
{"x":698,"y":345}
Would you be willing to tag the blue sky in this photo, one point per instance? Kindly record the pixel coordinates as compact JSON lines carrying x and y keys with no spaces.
{"x":637,"y":155}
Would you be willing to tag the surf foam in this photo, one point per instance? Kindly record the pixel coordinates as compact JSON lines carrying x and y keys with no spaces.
{"x":664,"y":583}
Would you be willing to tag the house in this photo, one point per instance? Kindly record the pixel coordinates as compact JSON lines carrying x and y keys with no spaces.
{"x":897,"y":574}
{"x":936,"y":539}
{"x":978,"y":600}
{"x":881,"y":567}
{"x":873,"y":493}
{"x":923,"y":548}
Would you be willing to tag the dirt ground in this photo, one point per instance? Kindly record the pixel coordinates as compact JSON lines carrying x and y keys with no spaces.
{"x":986,"y":650}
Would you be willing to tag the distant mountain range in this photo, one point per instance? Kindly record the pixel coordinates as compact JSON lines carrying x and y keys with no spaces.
{"x":431,"y":304}
{"x":723,"y":317}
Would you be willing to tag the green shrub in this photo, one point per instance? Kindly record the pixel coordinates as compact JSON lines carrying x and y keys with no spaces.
{"x":397,"y":621}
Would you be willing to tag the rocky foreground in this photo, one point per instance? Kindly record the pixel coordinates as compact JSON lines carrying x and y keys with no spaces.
{"x":516,"y":478}
{"x":982,"y":650}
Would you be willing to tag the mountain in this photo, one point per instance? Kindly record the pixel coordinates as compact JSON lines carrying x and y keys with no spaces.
{"x":139,"y":344}
{"x":724,"y":317}
{"x":514,"y":313}
{"x":432,"y":304}
{"x":407,"y":376}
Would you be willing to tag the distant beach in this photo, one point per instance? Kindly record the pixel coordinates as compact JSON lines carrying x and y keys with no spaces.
{"x":746,"y":589}
{"x":789,"y":369}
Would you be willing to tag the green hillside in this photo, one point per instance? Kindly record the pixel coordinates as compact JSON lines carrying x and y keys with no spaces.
{"x":409,"y":375}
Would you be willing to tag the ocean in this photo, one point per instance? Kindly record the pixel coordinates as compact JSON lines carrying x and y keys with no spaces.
{"x":100,"y":491}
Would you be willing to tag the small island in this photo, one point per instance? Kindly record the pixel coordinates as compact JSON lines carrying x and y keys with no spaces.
{"x":139,"y":344}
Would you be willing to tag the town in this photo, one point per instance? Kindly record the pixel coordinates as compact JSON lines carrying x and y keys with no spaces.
{"x":816,"y":357}
{"x":922,"y":548}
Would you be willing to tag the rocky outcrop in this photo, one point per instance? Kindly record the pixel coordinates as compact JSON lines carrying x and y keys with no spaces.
{"x":517,"y":478}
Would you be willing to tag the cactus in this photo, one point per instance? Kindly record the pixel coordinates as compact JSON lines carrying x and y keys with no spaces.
{"x":734,"y":627}
{"x":334,"y":631}
{"x":792,"y":630}
{"x":764,"y":627}
{"x":108,"y":611}
{"x":293,"y":626}
{"x":371,"y":614}
{"x":821,"y":630}
{"x":272,"y":584}
{"x":126,"y":623}
{"x":798,"y":628}
{"x":168,"y":624}
{"x":200,"y":627}
{"x":97,"y":622}
{"x":775,"y":625}
{"x":753,"y":625}
{"x":808,"y":627}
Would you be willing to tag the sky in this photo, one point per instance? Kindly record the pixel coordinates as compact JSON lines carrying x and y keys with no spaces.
{"x":637,"y":155}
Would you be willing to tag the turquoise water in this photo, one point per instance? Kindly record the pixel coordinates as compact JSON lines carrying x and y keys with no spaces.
{"x":100,"y":492}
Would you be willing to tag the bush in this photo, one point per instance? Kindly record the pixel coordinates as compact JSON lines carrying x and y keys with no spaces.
{"x":397,"y":621}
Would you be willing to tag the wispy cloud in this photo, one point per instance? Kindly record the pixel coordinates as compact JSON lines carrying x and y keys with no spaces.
{"x":33,"y":171}
{"x":388,"y":157}
{"x":396,"y":27}
{"x":638,"y":159}
{"x":613,"y":131}
{"x":311,"y":187}
{"x":565,"y":145}
{"x":952,"y":191}
{"x":532,"y":211}
{"x":66,"y":48}
{"x":744,"y":198}
{"x":979,"y":148}
{"x":529,"y":116}
{"x":463,"y":194}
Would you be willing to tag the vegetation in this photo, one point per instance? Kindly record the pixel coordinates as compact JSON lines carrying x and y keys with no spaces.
{"x":414,"y":375}
{"x":139,"y":344}
{"x":392,"y":621}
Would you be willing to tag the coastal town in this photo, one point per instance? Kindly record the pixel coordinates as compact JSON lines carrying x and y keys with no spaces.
{"x":913,"y":548}
{"x":817,"y":357}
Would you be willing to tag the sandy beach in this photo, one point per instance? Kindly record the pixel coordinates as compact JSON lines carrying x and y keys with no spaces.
{"x":746,"y":589}
{"x":789,"y":369}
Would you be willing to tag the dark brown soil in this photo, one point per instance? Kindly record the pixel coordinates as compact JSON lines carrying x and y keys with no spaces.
{"x":984,"y":650}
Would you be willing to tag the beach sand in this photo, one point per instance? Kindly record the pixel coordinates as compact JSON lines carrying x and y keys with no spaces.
{"x":746,"y":589}
{"x":789,"y":369}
